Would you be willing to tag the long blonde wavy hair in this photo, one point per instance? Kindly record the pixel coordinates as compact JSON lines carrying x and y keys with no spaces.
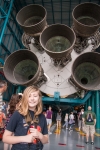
{"x":23,"y":108}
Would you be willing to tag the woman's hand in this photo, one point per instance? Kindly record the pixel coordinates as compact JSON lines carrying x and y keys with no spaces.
{"x":35,"y":132}
{"x":29,"y":138}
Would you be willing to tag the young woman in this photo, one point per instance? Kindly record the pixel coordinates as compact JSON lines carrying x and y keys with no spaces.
{"x":13,"y":104}
{"x":28,"y":123}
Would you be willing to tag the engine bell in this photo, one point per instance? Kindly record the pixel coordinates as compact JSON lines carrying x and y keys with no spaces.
{"x":58,"y":40}
{"x":32,"y":19}
{"x":22,"y":67}
{"x":86,"y":19}
{"x":86,"y":71}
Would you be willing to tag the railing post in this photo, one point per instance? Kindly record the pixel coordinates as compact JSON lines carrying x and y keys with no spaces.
{"x":97,"y":110}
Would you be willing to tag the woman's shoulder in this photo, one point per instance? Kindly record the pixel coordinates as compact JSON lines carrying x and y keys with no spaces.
{"x":16,"y":114}
{"x":41,"y":116}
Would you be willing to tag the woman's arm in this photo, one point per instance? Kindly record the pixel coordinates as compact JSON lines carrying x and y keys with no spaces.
{"x":10,"y":139}
{"x":43,"y":138}
{"x":4,"y":116}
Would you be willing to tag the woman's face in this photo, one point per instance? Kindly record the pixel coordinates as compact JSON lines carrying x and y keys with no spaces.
{"x":33,"y":100}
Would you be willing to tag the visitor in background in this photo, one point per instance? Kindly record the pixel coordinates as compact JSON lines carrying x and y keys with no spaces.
{"x":80,"y":120}
{"x":13,"y":105}
{"x":2,"y":118}
{"x":2,"y":107}
{"x":71,"y":121}
{"x":49,"y":119}
{"x":58,"y":119}
{"x":3,"y":88}
{"x":89,"y":121}
{"x":66,"y":121}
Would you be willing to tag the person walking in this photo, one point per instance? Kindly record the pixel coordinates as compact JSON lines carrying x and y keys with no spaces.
{"x":89,"y":120}
{"x":49,"y":119}
{"x":58,"y":119}
{"x":71,"y":121}
{"x":27,"y":123}
{"x":80,"y":120}
{"x":66,"y":121}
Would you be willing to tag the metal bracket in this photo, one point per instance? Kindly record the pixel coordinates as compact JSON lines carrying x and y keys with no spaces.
{"x":80,"y":92}
{"x":82,"y":43}
{"x":57,"y":97}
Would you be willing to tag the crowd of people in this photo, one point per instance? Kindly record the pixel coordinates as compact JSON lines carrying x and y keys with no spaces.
{"x":85,"y":120}
{"x":25,"y":126}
